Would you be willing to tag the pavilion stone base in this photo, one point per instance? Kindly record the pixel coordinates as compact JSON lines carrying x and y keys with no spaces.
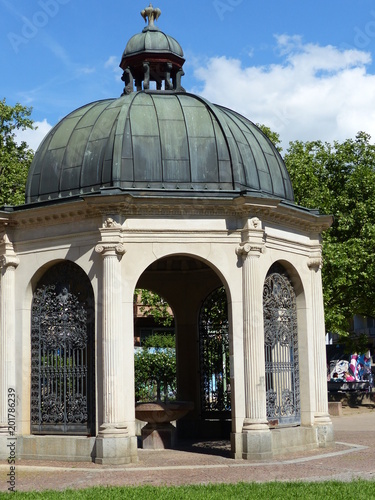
{"x":263,"y":445}
{"x":112,"y":451}
{"x":257,"y":445}
{"x":6,"y":446}
{"x":116,"y":450}
{"x":158,"y":437}
{"x":64,"y":448}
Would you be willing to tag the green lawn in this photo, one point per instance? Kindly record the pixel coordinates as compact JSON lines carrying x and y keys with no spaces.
{"x":357,"y":490}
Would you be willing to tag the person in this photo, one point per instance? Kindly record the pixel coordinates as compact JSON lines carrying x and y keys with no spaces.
{"x":349,"y":377}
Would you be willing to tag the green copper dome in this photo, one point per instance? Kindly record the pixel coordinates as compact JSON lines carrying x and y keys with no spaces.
{"x":160,"y":143}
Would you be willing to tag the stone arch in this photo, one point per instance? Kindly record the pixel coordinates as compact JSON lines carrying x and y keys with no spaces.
{"x":188,"y":255}
{"x":62,"y":351}
{"x":185,"y":280}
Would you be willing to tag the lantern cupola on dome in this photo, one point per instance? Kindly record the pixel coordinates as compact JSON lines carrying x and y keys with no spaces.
{"x":152,"y":56}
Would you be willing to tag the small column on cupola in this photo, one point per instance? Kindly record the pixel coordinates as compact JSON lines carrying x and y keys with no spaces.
{"x":152,"y":56}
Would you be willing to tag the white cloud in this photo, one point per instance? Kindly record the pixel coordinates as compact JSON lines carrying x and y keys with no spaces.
{"x":315,"y":92}
{"x":112,"y":64}
{"x":34,"y":137}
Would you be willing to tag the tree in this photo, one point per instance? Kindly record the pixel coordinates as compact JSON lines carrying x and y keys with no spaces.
{"x":155,"y":361}
{"x":155,"y":368}
{"x":274,"y":137}
{"x":15,"y":159}
{"x":153,"y":305}
{"x":339,"y":179}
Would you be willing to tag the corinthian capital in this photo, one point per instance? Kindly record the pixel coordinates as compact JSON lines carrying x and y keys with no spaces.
{"x":110,"y":249}
{"x":8,"y":257}
{"x":11,"y":261}
{"x":250,"y":249}
{"x":315,"y":263}
{"x":253,"y":239}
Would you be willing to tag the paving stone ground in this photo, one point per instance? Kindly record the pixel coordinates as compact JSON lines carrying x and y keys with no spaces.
{"x":352,"y":456}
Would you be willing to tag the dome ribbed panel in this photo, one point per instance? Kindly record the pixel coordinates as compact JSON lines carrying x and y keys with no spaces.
{"x":172,"y":129}
{"x":146,"y":141}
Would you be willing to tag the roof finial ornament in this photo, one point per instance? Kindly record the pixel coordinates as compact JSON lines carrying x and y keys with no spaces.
{"x":151,"y":13}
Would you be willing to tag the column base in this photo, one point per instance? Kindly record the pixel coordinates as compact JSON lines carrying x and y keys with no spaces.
{"x":255,"y":424}
{"x":322,"y":419}
{"x":113,"y":430}
{"x":116,"y":450}
{"x":257,"y":444}
{"x":324,"y":430}
{"x":158,"y":437}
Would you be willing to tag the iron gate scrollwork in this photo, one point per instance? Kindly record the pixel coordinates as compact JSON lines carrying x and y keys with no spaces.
{"x":214,"y":356}
{"x":281,"y":349}
{"x":61,"y":355}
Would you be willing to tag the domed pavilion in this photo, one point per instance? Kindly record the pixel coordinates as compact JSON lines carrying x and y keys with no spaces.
{"x":163,"y":190}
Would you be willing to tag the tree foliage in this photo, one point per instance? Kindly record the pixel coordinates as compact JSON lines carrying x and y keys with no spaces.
{"x":339,"y":179}
{"x":155,"y":368}
{"x":155,"y":361}
{"x":274,"y":137}
{"x":153,"y":305}
{"x":15,"y":159}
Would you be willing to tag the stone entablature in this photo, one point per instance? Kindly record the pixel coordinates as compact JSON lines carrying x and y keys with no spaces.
{"x":270,"y":211}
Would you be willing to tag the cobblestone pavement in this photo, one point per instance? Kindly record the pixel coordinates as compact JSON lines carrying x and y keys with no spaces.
{"x":352,"y":456}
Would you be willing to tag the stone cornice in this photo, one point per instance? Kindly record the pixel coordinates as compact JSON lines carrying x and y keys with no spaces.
{"x":268,"y":210}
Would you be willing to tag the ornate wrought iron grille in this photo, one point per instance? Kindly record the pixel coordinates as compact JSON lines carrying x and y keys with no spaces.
{"x":281,"y":350}
{"x":61,"y":355}
{"x":214,"y":356}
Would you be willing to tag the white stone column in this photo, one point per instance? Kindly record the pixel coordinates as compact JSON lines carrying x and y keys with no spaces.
{"x":321,"y":415}
{"x":8,"y":264}
{"x":112,"y":362}
{"x":115,"y":444}
{"x":257,"y":439}
{"x":320,"y":367}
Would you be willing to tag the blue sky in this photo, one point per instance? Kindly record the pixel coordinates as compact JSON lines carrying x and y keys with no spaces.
{"x":304,"y":68}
